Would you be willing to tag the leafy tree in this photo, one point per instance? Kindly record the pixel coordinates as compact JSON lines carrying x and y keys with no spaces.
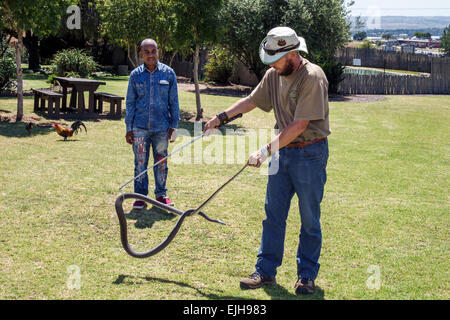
{"x":359,"y":23}
{"x":366,"y":44}
{"x":128,"y":22}
{"x":197,"y":26}
{"x":219,"y":67}
{"x":329,"y":29}
{"x":176,"y":25}
{"x":360,"y":35}
{"x":387,"y":36}
{"x":323,"y":23}
{"x":422,"y":35}
{"x":7,"y":65}
{"x":125,"y":23}
{"x":247,"y":23}
{"x":39,"y":16}
{"x":445,"y":40}
{"x":335,"y":74}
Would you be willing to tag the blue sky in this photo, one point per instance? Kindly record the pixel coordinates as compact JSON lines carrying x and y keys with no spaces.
{"x":401,"y":7}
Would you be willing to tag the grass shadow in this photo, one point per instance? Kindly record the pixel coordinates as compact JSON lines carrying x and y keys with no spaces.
{"x":278,"y":292}
{"x":121,"y":280}
{"x":18,"y":130}
{"x":187,"y":123}
{"x":111,"y":78}
{"x":73,"y":115}
{"x":68,"y":140}
{"x":146,"y":218}
{"x":34,"y":76}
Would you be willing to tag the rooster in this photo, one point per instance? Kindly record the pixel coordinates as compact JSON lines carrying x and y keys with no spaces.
{"x":68,"y":132}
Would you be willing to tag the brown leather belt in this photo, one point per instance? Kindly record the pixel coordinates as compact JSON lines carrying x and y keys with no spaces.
{"x":304,"y":143}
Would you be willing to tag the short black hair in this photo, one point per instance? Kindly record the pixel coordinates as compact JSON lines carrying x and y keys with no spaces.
{"x":147,"y":40}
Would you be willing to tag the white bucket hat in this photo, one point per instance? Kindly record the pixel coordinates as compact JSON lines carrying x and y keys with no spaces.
{"x":279,"y":42}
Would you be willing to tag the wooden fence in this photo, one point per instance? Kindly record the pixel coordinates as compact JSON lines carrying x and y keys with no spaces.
{"x":440,"y":76}
{"x":438,"y":82}
{"x":380,"y":84}
{"x":374,"y":58}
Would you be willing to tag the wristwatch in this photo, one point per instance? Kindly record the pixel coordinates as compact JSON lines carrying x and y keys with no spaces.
{"x":222,"y":117}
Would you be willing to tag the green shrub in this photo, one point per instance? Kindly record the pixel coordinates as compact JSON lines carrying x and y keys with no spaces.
{"x":366,"y":44}
{"x":7,"y":66}
{"x":333,"y":70}
{"x":219,"y":67}
{"x":73,"y":62}
{"x":51,"y":79}
{"x":7,"y":72}
{"x":335,"y":74}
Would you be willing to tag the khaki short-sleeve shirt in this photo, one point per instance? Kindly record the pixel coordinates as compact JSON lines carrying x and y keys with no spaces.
{"x":302,"y":95}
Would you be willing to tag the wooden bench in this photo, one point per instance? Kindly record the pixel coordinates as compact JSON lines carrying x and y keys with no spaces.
{"x":53,"y":98}
{"x":115,"y":110}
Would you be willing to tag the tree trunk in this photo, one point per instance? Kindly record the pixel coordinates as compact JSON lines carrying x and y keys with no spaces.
{"x":19,"y":49}
{"x":172,"y":57}
{"x":130,"y":56}
{"x":136,"y":55}
{"x":197,"y":87}
{"x":31,"y":42}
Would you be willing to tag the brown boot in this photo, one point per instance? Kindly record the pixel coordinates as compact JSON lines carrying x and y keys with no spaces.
{"x":255,"y":281}
{"x":304,"y":286}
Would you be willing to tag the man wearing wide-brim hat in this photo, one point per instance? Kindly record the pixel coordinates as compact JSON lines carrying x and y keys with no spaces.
{"x":297,"y":91}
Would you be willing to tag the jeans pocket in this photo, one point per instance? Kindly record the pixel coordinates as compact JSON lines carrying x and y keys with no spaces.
{"x":312,"y":153}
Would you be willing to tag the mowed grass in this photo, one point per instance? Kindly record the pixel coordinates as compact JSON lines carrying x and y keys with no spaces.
{"x":386,"y":208}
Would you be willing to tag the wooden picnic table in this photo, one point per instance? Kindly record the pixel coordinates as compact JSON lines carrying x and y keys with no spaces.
{"x":79,"y":87}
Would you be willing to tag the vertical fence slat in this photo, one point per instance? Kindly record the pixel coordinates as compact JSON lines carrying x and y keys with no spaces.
{"x":437,"y":83}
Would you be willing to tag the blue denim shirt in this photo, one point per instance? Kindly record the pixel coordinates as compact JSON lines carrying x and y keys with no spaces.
{"x":152,"y":99}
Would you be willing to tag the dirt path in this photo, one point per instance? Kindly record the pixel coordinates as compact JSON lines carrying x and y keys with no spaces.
{"x":231,"y":90}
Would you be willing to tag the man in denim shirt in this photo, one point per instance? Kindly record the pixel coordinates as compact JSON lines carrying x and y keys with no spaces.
{"x":152,"y":114}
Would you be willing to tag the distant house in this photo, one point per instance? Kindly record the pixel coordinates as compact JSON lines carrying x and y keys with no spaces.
{"x":408,"y":48}
{"x":389,"y":48}
{"x":421,"y":43}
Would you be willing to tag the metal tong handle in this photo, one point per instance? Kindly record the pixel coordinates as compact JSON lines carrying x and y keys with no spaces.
{"x":218,"y":190}
{"x":175,"y":151}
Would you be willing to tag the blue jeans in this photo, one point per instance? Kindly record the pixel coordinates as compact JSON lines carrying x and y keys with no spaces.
{"x":301,"y":172}
{"x":143,"y":139}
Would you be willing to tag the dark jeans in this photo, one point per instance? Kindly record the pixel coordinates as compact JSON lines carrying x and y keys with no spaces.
{"x":301,"y":172}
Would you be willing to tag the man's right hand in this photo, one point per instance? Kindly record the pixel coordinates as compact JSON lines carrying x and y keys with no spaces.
{"x":129,"y":137}
{"x":210,"y":125}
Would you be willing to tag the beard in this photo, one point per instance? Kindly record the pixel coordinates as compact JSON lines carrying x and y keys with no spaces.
{"x":288,"y":69}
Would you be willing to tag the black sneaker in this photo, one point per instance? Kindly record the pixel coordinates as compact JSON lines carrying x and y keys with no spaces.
{"x":305,"y":286}
{"x":255,"y":281}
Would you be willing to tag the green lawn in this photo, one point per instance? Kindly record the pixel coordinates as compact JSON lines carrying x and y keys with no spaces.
{"x":386,"y":208}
